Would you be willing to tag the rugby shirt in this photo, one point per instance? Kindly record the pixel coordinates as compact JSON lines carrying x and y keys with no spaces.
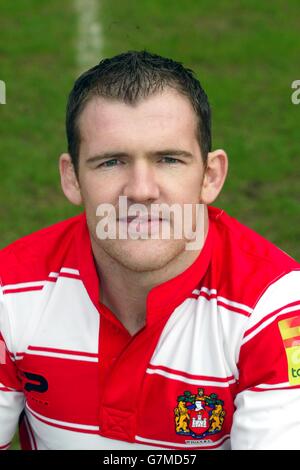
{"x":215,"y":367}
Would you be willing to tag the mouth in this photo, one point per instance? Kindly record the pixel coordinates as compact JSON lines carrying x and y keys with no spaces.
{"x":140,"y":220}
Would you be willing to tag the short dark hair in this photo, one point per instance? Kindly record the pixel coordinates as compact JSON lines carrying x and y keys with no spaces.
{"x":130,"y":77}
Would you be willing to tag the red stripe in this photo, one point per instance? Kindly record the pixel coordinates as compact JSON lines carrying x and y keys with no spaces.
{"x":5,"y":447}
{"x":234,"y":309}
{"x":62,"y":351}
{"x":191,"y":376}
{"x":5,"y":389}
{"x":72,"y":276}
{"x":22,"y":289}
{"x":271,"y":315}
{"x":32,"y":288}
{"x":60,"y":426}
{"x":222,"y":304}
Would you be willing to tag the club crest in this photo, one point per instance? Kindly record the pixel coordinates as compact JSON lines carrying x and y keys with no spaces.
{"x":199,"y":415}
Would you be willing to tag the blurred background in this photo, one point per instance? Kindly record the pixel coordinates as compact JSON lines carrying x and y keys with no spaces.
{"x":245,"y":54}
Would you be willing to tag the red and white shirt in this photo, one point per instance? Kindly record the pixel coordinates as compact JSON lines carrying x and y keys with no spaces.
{"x":214,"y":367}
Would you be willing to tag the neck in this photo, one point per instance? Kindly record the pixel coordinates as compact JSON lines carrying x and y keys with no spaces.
{"x":125,"y":291}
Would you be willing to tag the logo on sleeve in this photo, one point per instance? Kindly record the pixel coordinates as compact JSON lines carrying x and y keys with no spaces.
{"x":199,"y":415}
{"x":290,"y":333}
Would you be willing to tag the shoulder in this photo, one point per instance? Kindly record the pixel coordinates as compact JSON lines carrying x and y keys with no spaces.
{"x":32,"y":257}
{"x":246,"y":263}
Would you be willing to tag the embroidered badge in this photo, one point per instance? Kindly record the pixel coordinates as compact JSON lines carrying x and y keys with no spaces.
{"x":199,"y":415}
{"x":290,"y":333}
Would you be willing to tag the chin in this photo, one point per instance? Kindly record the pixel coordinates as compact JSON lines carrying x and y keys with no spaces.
{"x":145,"y":255}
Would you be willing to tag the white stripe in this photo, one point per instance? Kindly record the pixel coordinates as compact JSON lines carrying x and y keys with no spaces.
{"x":69,"y":271}
{"x":223,"y":299}
{"x":63,"y":423}
{"x":205,"y":289}
{"x":19,"y":357}
{"x":269,"y":321}
{"x":181,"y":378}
{"x":89,"y":34}
{"x":176,"y":444}
{"x":9,"y":388}
{"x":271,"y":386}
{"x":62,"y":355}
{"x":16,"y":357}
{"x":208,"y":291}
{"x":281,"y":293}
{"x":23,"y":285}
{"x":41,"y":283}
{"x":196,"y":291}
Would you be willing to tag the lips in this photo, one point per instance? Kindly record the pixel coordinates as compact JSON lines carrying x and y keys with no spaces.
{"x":141,"y":220}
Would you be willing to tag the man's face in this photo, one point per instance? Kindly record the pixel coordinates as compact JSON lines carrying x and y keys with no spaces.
{"x":134,"y":136}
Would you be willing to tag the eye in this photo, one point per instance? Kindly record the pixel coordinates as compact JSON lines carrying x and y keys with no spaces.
{"x":109,"y":163}
{"x":171,"y":160}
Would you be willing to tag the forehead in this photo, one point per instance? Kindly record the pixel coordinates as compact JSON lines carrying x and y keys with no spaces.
{"x":153,"y":121}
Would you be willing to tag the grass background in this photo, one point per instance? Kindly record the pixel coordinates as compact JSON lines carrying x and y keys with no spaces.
{"x":246,"y":55}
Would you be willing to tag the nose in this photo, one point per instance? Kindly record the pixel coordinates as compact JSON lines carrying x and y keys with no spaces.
{"x":141,"y":184}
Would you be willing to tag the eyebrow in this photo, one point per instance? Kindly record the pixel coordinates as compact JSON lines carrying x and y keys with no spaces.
{"x":158,"y":153}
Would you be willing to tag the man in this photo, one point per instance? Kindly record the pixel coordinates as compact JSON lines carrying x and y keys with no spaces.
{"x":109,"y":340}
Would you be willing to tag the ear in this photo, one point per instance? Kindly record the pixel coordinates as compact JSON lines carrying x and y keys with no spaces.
{"x":214,"y":176}
{"x":69,"y":181}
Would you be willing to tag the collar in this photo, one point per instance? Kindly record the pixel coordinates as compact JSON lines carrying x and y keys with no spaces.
{"x":162,"y":299}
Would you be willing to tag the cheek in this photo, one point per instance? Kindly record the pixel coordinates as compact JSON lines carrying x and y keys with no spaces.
{"x":97,"y":191}
{"x":188,"y":189}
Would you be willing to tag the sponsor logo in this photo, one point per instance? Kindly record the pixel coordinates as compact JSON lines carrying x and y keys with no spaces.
{"x":290,"y":333}
{"x":34,"y":382}
{"x":199,"y":415}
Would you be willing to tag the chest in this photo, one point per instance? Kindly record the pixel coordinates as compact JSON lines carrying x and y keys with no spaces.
{"x":79,"y":371}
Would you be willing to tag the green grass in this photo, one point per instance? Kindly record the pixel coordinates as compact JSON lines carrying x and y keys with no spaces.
{"x":37,"y":63}
{"x":246,"y":55}
{"x":15,"y":443}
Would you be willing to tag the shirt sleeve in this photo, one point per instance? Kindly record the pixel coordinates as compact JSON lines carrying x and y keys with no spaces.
{"x":267,"y":414}
{"x":11,"y":395}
